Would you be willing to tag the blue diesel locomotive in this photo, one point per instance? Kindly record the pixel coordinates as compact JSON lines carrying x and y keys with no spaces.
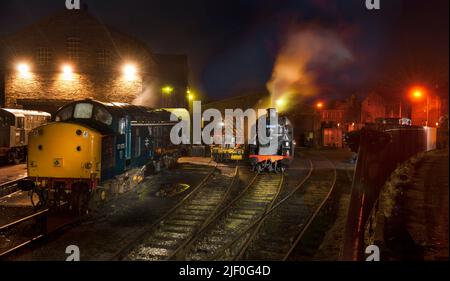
{"x":94,"y":150}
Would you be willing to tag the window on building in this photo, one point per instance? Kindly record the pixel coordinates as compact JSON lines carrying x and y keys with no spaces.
{"x":73,"y":48}
{"x":103,"y":57}
{"x":44,"y":56}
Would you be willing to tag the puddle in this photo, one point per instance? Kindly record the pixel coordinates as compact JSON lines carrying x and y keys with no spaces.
{"x":171,"y":189}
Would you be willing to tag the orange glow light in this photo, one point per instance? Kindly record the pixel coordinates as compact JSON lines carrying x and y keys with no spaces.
{"x":417,"y":93}
{"x":319,"y":105}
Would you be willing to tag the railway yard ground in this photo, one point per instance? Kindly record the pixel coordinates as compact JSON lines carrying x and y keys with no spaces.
{"x":201,"y":210}
{"x":13,"y":172}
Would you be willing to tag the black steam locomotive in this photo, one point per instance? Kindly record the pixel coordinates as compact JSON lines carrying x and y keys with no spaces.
{"x":273,"y":148}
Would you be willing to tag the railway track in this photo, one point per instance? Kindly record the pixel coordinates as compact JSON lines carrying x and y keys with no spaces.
{"x":24,"y":232}
{"x":21,"y":233}
{"x":284,"y":226}
{"x":181,"y":222}
{"x":275,"y":233}
{"x":256,"y":198}
{"x":9,"y":187}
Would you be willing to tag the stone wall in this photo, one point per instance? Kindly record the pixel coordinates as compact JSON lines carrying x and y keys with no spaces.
{"x":90,"y":78}
{"x":54,"y":86}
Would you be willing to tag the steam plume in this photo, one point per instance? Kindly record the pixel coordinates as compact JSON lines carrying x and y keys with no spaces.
{"x":307,"y":52}
{"x":147,"y":97}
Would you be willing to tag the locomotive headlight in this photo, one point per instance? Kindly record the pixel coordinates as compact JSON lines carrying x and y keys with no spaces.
{"x":287,"y":144}
{"x":88,"y":166}
{"x":58,"y":162}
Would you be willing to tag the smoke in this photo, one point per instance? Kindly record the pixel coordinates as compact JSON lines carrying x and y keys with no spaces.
{"x":147,"y":97}
{"x":306,"y":53}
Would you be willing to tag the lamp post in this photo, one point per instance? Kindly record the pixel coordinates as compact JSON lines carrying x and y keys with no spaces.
{"x":417,"y":94}
{"x":319,"y":105}
{"x":190,"y":98}
{"x":166,"y":92}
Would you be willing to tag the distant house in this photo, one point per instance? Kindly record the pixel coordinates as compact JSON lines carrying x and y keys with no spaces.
{"x":333,"y":114}
{"x":372,"y":107}
{"x":344,"y":114}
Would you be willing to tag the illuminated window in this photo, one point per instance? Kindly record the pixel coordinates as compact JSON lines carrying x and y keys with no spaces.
{"x":44,"y":56}
{"x":103,"y":57}
{"x":83,"y":110}
{"x":73,"y":45}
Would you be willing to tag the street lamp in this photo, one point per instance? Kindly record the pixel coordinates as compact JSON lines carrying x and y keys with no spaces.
{"x":319,"y":105}
{"x":417,"y":94}
{"x":67,"y":72}
{"x":167,"y":90}
{"x":190,"y":95}
{"x":24,"y":70}
{"x":129,"y":71}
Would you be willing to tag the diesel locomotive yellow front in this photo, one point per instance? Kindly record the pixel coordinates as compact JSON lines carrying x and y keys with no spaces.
{"x":64,"y":151}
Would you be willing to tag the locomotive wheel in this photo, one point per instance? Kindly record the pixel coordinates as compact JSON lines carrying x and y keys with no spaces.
{"x":38,"y":198}
{"x":281,"y":169}
{"x":98,"y":198}
{"x":259,"y":168}
{"x":17,"y":160}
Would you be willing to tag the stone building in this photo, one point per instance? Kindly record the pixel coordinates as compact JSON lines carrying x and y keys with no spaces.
{"x":343,"y":114}
{"x":73,"y":55}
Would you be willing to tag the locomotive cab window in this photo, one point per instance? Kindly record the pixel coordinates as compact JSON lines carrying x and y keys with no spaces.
{"x":65,"y":114}
{"x":103,"y":116}
{"x":83,"y":111}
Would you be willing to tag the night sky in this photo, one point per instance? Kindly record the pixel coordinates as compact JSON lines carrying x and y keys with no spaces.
{"x":232,"y":45}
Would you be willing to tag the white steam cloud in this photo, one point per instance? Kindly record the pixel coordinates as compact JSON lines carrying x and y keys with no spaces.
{"x":148,"y":97}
